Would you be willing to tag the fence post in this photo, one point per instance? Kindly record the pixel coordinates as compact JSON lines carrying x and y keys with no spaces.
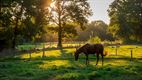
{"x":116,"y":51}
{"x":67,"y":43}
{"x":131,"y":54}
{"x":30,"y":54}
{"x":50,"y":44}
{"x":43,"y":55}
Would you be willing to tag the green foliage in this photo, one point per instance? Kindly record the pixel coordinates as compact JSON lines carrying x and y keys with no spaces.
{"x":22,"y":21}
{"x":65,"y":11}
{"x":69,"y":30}
{"x":126,"y":19}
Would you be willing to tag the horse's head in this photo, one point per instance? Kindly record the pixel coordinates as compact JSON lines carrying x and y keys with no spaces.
{"x":76,"y":55}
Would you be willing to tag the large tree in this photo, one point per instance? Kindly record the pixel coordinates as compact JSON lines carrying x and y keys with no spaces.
{"x":36,"y":18}
{"x":22,"y":19}
{"x":64,"y":11}
{"x":5,"y":24}
{"x":11,"y":14}
{"x":126,"y":19}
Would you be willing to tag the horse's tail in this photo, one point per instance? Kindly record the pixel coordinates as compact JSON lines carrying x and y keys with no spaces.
{"x":105,"y":53}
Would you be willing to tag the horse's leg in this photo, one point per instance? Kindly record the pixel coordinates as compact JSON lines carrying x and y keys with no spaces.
{"x":87,"y":60}
{"x":97,"y":55}
{"x":102,"y":58}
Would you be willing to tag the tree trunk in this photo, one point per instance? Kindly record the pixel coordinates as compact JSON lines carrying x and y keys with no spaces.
{"x":43,"y":54}
{"x":59,"y":37}
{"x":60,"y":28}
{"x":16,"y":27}
{"x":14,"y":42}
{"x":15,"y":34}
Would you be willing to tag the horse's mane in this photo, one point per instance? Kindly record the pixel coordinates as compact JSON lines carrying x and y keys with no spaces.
{"x":84,"y":46}
{"x":87,"y":44}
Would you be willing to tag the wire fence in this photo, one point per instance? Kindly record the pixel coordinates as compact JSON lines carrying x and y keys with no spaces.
{"x":123,"y":51}
{"x":49,"y":45}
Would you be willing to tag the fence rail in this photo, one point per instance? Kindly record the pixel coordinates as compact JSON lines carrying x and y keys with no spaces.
{"x":115,"y":49}
{"x":49,"y":45}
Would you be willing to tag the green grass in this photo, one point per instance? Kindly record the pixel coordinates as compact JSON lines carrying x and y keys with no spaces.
{"x":60,"y":65}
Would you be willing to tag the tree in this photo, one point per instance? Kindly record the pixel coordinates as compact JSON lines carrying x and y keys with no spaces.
{"x":11,"y":12}
{"x":94,"y":40}
{"x":68,"y":31}
{"x":126,"y":19}
{"x":64,"y":11}
{"x":36,"y":18}
{"x":22,"y":19}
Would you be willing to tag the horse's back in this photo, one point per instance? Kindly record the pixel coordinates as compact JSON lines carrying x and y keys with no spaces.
{"x":99,"y":48}
{"x":92,"y":48}
{"x":95,"y":48}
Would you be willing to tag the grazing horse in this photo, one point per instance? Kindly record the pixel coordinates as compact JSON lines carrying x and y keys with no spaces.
{"x":90,"y":49}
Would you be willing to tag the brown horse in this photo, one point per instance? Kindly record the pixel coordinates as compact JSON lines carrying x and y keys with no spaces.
{"x":91,"y":49}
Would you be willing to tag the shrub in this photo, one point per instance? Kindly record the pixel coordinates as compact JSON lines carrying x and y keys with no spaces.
{"x":94,"y":40}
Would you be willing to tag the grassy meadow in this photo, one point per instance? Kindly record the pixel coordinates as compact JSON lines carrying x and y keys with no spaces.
{"x":60,"y":65}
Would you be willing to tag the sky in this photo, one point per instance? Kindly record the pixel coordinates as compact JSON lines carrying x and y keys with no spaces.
{"x":99,"y":9}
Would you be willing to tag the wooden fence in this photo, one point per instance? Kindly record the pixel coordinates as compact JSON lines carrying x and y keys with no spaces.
{"x":53,"y":45}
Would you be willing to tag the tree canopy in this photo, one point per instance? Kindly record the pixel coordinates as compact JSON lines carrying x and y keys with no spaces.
{"x":126,"y":19}
{"x":68,"y":11}
{"x":24,"y":20}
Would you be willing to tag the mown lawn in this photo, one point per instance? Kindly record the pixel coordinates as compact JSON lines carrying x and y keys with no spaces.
{"x":60,"y":65}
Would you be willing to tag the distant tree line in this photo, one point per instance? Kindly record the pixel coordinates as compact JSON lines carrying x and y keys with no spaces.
{"x":95,"y":29}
